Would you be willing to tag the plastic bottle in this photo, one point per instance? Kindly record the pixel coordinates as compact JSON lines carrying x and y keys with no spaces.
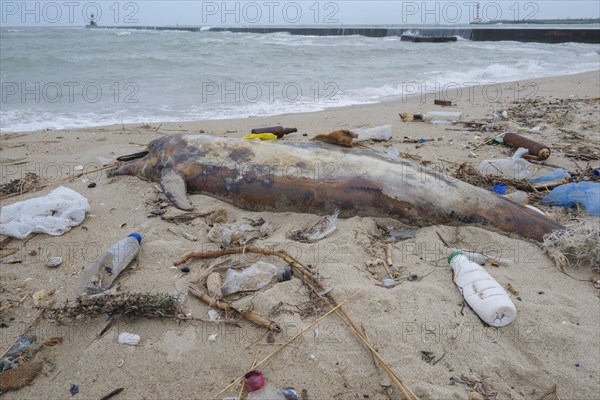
{"x":518,"y":197}
{"x":111,"y":263}
{"x":379,"y":133}
{"x":554,"y":175}
{"x":481,"y":291}
{"x":442,"y":117}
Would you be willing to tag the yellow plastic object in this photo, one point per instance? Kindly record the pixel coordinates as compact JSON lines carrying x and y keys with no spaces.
{"x":260,"y":136}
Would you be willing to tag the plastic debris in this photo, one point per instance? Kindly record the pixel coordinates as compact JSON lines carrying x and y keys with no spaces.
{"x":586,"y":193}
{"x":554,"y":175}
{"x":227,"y":234}
{"x":322,"y":229}
{"x":388,"y":282}
{"x":74,"y":389}
{"x":518,"y":197}
{"x":112,"y":262}
{"x":481,"y":291}
{"x":381,"y":133}
{"x":38,"y":297}
{"x":513,"y":168}
{"x":253,"y":381}
{"x":499,"y":188}
{"x":54,"y":262}
{"x":53,"y":214}
{"x":255,"y":277}
{"x":130,"y":339}
{"x":260,"y":136}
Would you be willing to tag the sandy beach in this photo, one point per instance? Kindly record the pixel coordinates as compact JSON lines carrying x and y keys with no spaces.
{"x":421,"y":328}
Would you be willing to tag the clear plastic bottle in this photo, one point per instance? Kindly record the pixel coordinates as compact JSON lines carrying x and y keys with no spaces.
{"x":112,"y":262}
{"x":442,"y":117}
{"x":381,"y":133}
{"x":481,"y":291}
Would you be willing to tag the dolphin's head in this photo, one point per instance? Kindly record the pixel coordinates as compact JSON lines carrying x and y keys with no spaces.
{"x":159,"y":154}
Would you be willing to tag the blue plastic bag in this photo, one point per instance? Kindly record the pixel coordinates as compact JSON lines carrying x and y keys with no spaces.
{"x":586,"y":193}
{"x":553,"y":175}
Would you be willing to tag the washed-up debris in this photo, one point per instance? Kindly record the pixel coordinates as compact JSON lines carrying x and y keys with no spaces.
{"x":536,"y":111}
{"x":322,"y":229}
{"x":127,"y":304}
{"x":576,"y":246}
{"x":128,"y":338}
{"x":516,"y":141}
{"x":381,"y":133}
{"x":101,"y":275}
{"x":341,"y":138}
{"x":554,"y":175}
{"x":433,"y":117}
{"x":513,"y":168}
{"x":214,"y":285}
{"x":221,"y":305}
{"x":54,"y":262}
{"x":485,"y":296}
{"x":74,"y":389}
{"x":53,"y":214}
{"x":238,"y":233}
{"x":260,"y":136}
{"x":112,"y":394}
{"x":315,"y":285}
{"x":17,"y":378}
{"x":585,"y":193}
{"x":278,"y":130}
{"x":28,"y":183}
{"x":445,"y":103}
{"x":253,"y":278}
{"x":392,"y":234}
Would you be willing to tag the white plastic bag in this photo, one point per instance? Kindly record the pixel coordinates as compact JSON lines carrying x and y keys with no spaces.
{"x":53,"y":214}
{"x":512,"y":168}
{"x":255,"y":277}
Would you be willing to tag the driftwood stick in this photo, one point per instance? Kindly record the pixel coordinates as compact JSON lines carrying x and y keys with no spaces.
{"x":304,"y":272}
{"x":283,"y":346}
{"x":248,"y":315}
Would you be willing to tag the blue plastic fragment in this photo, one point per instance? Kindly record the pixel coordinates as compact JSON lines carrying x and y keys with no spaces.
{"x":499,"y":188}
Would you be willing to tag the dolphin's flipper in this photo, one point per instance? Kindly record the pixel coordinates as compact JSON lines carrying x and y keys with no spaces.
{"x":174,"y":187}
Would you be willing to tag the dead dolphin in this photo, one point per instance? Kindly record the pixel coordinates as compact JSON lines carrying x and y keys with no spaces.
{"x":312,"y":177}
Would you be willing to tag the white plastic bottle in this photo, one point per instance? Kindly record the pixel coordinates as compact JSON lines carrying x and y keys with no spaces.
{"x":442,"y":117}
{"x":111,"y":263}
{"x":481,"y":291}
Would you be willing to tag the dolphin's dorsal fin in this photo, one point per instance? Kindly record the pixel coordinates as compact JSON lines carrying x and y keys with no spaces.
{"x":173,"y":185}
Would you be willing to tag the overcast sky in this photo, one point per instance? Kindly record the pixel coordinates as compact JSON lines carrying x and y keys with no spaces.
{"x":274,"y":12}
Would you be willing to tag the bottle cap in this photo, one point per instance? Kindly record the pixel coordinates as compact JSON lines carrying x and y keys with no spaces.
{"x":137,"y":236}
{"x":452,"y":255}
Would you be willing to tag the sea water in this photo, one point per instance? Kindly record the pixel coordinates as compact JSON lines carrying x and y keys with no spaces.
{"x":75,"y":77}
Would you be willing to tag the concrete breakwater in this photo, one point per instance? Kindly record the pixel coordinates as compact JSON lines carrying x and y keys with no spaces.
{"x":540,"y":35}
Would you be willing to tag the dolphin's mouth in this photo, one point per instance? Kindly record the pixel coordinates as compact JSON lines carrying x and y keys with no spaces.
{"x":133,"y":156}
